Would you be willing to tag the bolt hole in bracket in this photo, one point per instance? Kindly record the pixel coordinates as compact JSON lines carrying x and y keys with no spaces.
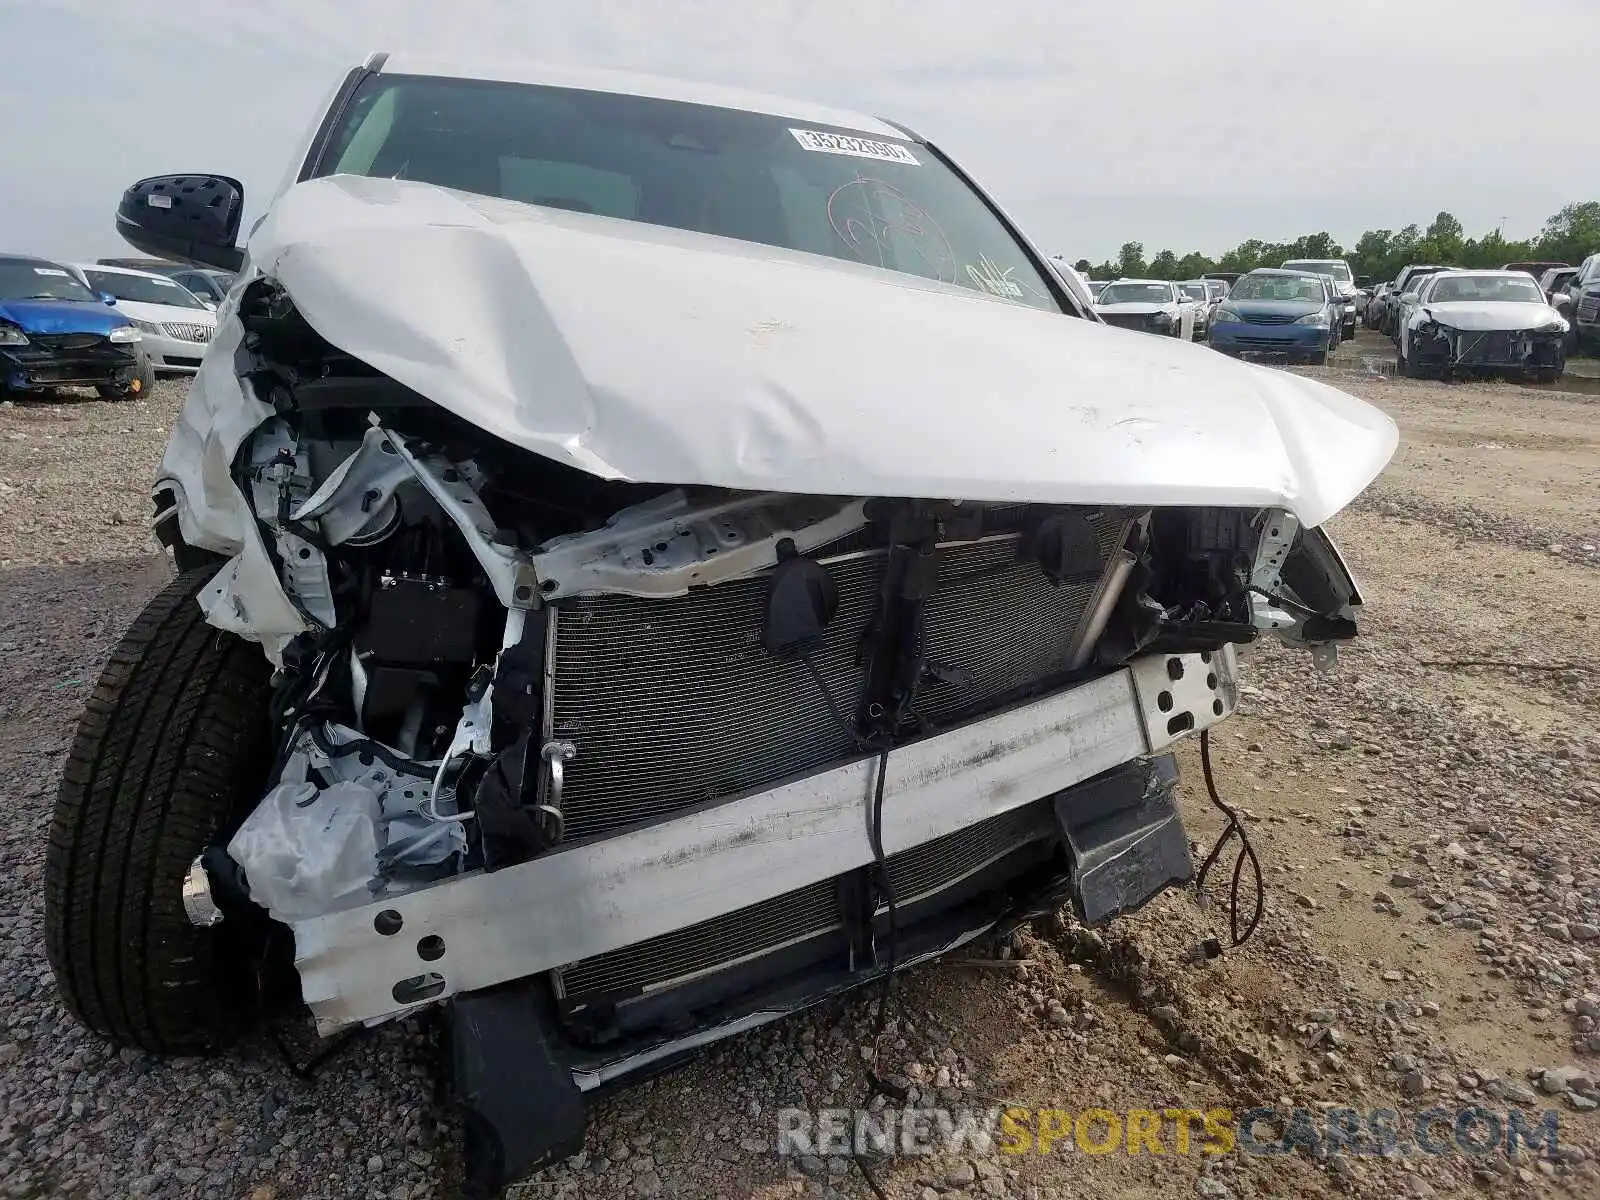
{"x":1180,"y":694}
{"x":418,"y":988}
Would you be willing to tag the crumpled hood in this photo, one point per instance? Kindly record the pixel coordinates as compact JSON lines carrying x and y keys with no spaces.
{"x":61,"y":316}
{"x":651,"y":354}
{"x":1486,"y":315}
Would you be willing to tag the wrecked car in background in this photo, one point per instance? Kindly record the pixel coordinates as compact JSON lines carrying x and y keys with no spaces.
{"x":652,"y":558}
{"x":1148,"y":305}
{"x":56,"y":332}
{"x":1478,"y":322}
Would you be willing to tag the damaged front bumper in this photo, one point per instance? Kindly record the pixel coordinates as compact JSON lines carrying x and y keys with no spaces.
{"x":375,"y":961}
{"x":67,"y":360}
{"x":1105,"y":844}
{"x":1446,"y":349}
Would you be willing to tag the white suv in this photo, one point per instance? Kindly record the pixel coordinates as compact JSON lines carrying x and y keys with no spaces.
{"x":654,"y":557}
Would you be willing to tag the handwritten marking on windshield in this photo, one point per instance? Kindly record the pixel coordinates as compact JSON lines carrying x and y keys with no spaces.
{"x":876,"y":220}
{"x":988,"y":275}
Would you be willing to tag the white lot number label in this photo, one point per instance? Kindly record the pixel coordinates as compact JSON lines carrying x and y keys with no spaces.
{"x":856,"y":147}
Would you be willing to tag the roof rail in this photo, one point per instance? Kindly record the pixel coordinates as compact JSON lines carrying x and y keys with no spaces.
{"x":376,"y":59}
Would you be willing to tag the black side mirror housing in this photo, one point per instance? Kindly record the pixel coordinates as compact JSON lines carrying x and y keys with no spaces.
{"x":190,"y":218}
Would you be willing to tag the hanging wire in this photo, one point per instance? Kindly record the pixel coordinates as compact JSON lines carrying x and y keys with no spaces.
{"x":1246,"y":854}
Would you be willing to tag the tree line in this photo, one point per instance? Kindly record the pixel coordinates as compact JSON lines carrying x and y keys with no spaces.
{"x":1567,"y":237}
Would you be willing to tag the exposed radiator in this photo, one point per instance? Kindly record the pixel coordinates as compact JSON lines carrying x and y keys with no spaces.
{"x":672,"y":703}
{"x":677,"y":957}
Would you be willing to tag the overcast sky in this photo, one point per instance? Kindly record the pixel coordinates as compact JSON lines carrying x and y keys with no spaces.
{"x":1186,"y":125}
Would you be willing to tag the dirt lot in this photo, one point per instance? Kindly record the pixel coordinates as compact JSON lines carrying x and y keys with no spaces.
{"x":1425,"y":817}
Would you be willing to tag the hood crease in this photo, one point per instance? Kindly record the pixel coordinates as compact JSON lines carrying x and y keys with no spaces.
{"x":659,"y":355}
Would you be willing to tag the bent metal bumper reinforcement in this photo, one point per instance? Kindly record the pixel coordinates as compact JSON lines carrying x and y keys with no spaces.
{"x":378,"y":960}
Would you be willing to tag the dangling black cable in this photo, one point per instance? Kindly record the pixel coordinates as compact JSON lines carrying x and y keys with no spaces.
{"x":882,"y":888}
{"x":1246,"y":853}
{"x":306,"y":1072}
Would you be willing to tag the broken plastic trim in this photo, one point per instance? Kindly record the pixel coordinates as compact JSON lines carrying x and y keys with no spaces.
{"x":1274,"y":605}
{"x":667,"y":545}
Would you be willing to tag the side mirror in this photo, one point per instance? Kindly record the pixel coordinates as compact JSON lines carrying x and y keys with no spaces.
{"x":1408,"y":297}
{"x":191,"y":218}
{"x":106,"y":298}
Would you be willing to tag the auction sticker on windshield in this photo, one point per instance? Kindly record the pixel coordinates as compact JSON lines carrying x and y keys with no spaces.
{"x":857,"y":147}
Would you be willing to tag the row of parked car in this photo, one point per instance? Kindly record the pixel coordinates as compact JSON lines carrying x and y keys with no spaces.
{"x":1303,"y":309}
{"x":1524,"y":318}
{"x":112,"y":325}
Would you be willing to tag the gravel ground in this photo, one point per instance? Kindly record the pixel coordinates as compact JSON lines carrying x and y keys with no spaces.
{"x":1426,"y":825}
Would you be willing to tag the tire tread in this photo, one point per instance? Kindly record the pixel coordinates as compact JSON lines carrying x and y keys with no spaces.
{"x":169,"y":752}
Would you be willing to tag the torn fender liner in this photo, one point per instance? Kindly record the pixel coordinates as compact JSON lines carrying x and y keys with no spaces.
{"x":663,"y":355}
{"x":522,"y":1108}
{"x":1127,"y":839}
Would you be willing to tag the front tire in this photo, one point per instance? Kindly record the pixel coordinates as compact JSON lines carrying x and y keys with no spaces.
{"x":173,"y":749}
{"x":136,"y":389}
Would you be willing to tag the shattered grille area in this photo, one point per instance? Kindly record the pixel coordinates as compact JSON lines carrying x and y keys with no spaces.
{"x":673,"y":703}
{"x":1128,"y":320}
{"x":799,"y":915}
{"x":68,"y":341}
{"x":1503,"y":348}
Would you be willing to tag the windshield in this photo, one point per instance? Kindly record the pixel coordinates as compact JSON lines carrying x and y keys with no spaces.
{"x":1333,"y":270}
{"x":772,"y":180}
{"x":1137,"y":293}
{"x":1413,"y":281}
{"x":39,"y":281}
{"x":201,"y":285}
{"x":145,"y":289}
{"x":1217,"y":288}
{"x":1195,"y":291}
{"x":1506,"y":289}
{"x":1293,"y":288}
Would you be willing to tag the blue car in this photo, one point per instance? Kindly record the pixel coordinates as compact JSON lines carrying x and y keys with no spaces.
{"x":55,"y":332}
{"x":1271,"y":311}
